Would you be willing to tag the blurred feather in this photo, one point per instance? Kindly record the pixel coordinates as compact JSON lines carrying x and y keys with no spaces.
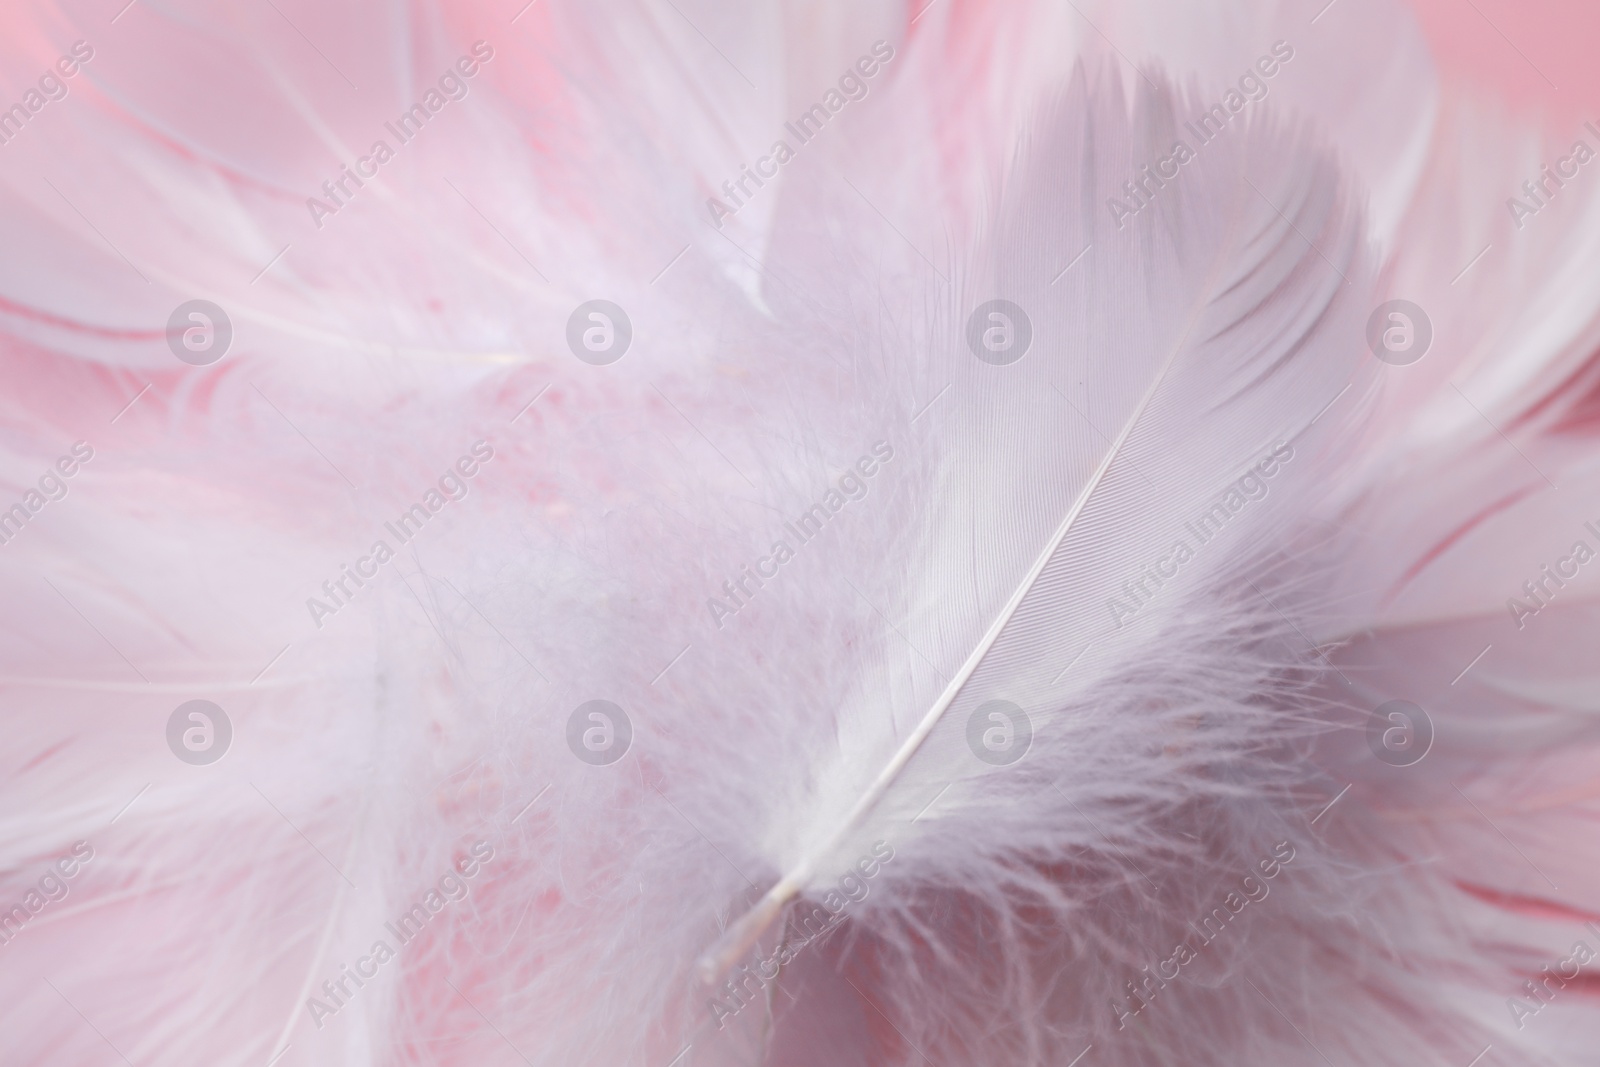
{"x":988,"y":530}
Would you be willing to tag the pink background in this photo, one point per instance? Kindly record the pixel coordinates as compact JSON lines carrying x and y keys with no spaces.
{"x":1561,"y":38}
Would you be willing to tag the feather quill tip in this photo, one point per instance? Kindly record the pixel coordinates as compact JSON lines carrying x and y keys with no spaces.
{"x":740,"y":937}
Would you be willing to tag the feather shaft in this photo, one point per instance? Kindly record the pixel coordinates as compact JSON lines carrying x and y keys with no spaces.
{"x":743,"y":934}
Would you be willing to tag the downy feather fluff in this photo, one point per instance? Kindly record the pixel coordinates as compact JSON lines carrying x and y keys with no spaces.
{"x":805,"y":725}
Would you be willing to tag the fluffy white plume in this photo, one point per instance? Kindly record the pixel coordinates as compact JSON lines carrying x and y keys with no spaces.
{"x":995,"y":551}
